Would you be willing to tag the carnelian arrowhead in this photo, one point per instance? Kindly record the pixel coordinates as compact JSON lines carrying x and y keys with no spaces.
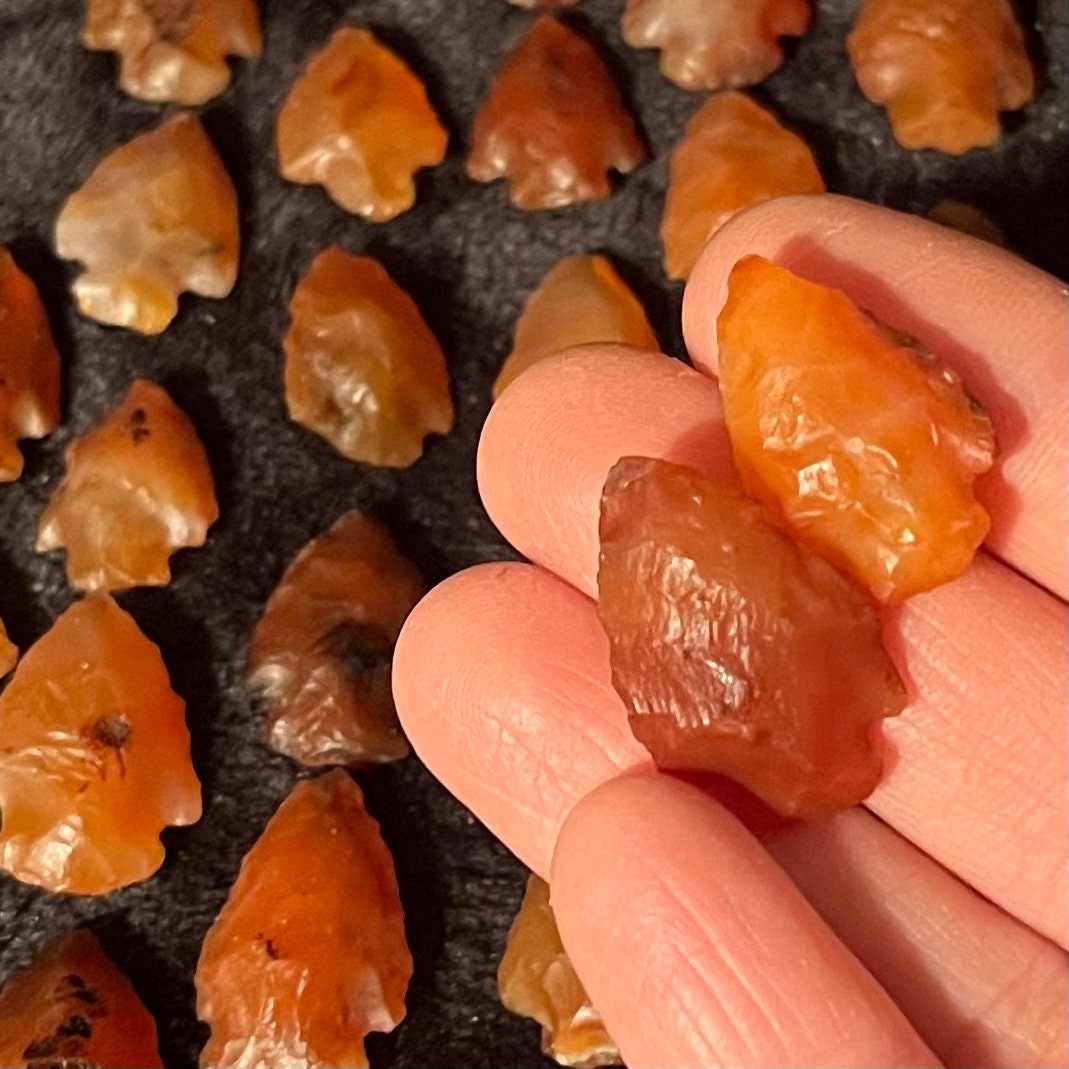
{"x":71,"y":1008}
{"x":95,"y":758}
{"x":321,"y":652}
{"x":859,"y":440}
{"x":29,"y":367}
{"x":308,"y":955}
{"x":553,"y":123}
{"x":137,"y":488}
{"x":735,"y":650}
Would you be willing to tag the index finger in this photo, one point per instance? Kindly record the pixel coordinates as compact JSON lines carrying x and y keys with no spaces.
{"x":1000,"y":323}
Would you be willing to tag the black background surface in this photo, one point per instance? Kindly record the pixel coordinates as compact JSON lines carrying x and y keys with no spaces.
{"x":469,"y":260}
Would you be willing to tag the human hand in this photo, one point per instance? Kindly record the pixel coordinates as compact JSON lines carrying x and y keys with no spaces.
{"x":693,"y":938}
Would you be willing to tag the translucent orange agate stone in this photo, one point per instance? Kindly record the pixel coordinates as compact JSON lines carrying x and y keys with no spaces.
{"x":29,"y":367}
{"x":358,"y":122}
{"x":94,"y":755}
{"x":735,"y":650}
{"x":553,"y":123}
{"x":9,"y":652}
{"x":943,"y":70}
{"x":859,"y":440}
{"x":322,"y":650}
{"x":712,"y":44}
{"x":734,"y":154}
{"x":71,"y":1008}
{"x":580,"y":301}
{"x":363,"y":369}
{"x":536,"y":979}
{"x":137,"y":488}
{"x":157,"y":216}
{"x":173,"y":50}
{"x":308,"y":954}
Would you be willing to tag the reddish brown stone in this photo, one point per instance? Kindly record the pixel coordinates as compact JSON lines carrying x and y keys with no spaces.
{"x":71,"y":1008}
{"x":943,"y":70}
{"x":967,"y":219}
{"x":9,"y":652}
{"x":580,"y":301}
{"x":95,"y":760}
{"x":734,"y":154}
{"x":321,"y":652}
{"x":137,"y":488}
{"x":715,"y":44}
{"x":536,"y":979}
{"x":29,"y":367}
{"x":173,"y":50}
{"x":735,"y":650}
{"x":308,"y":954}
{"x":358,"y":122}
{"x":553,"y":123}
{"x":363,"y":369}
{"x":856,"y":438}
{"x":156,"y":217}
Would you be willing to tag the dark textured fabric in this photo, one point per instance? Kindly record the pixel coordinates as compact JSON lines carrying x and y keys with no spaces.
{"x":469,"y":260}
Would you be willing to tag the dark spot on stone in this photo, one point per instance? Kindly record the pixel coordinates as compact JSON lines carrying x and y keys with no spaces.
{"x":113,"y":731}
{"x":272,"y":950}
{"x":138,"y":430}
{"x":361,"y":648}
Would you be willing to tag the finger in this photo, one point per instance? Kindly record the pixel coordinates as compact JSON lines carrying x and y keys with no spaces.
{"x":979,"y":781}
{"x":481,"y":696}
{"x":979,"y":986}
{"x":996,"y":320}
{"x":519,"y":720}
{"x":698,"y":950}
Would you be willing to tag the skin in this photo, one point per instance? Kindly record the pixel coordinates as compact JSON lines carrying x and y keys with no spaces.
{"x":932,"y":932}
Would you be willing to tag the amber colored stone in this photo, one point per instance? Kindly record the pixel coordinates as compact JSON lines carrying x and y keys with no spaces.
{"x":358,"y":122}
{"x":856,"y":438}
{"x":29,"y":367}
{"x":582,"y":300}
{"x":308,"y":955}
{"x":9,"y":652}
{"x":734,"y":154}
{"x":736,"y":650}
{"x":94,"y":755}
{"x":713,"y":44}
{"x":137,"y":488}
{"x":71,"y":1008}
{"x":363,"y":369}
{"x":553,"y":123}
{"x":968,"y":219}
{"x":536,"y":979}
{"x":943,"y":70}
{"x":173,"y":50}
{"x":156,"y":217}
{"x":322,"y":650}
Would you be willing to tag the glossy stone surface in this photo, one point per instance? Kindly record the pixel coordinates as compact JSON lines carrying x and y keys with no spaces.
{"x":137,"y":488}
{"x":358,"y":122}
{"x":943,"y":70}
{"x":321,"y":653}
{"x":71,"y":1008}
{"x":733,"y":155}
{"x":9,"y":652}
{"x":535,"y":979}
{"x":580,"y":301}
{"x":715,"y":44}
{"x":735,"y":650}
{"x":363,"y":369}
{"x":29,"y":367}
{"x":94,"y":762}
{"x":173,"y":50}
{"x":553,"y":123}
{"x":308,"y":955}
{"x":855,"y":437}
{"x":156,"y":217}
